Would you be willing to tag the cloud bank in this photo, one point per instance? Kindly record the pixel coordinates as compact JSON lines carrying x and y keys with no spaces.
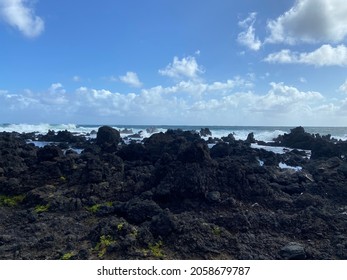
{"x":187,"y":101}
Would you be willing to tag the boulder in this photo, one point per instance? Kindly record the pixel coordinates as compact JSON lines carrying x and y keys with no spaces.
{"x":107,"y":137}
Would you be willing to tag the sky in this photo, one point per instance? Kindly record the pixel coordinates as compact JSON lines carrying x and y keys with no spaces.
{"x":174,"y":62}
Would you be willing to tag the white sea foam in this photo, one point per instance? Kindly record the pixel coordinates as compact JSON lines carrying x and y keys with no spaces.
{"x":39,"y":144}
{"x":285,"y":166}
{"x":279,"y":150}
{"x":26,"y":128}
{"x":342,"y":138}
{"x":143,"y":132}
{"x":276,"y":150}
{"x":39,"y":128}
{"x":268,"y":136}
{"x":241,"y":134}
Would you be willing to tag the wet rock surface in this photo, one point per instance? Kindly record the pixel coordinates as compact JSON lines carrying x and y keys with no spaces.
{"x":172,"y":198}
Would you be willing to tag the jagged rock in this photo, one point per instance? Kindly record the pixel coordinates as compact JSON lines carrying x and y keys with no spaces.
{"x":171,"y":198}
{"x":204,"y":132}
{"x":321,"y":147}
{"x":297,"y":138}
{"x":250,"y":138}
{"x":229,"y":138}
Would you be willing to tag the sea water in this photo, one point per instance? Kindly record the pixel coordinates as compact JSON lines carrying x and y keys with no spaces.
{"x":261,"y":133}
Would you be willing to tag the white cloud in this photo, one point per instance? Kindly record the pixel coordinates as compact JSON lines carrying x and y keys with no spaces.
{"x":310,"y":21}
{"x":131,"y":79}
{"x":199,"y":89}
{"x":147,"y":105}
{"x":55,"y":95}
{"x":280,"y":99}
{"x":283,"y":99}
{"x":187,"y":67}
{"x":284,"y":56}
{"x":247,"y":37}
{"x":93,"y":94}
{"x":326,"y":55}
{"x":21,"y":15}
{"x":343,"y":87}
{"x":56,"y":87}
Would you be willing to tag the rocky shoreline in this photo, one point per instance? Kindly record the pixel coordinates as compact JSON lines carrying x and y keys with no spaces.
{"x":172,"y":197}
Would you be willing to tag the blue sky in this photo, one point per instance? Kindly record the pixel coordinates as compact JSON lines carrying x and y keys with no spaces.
{"x":179,"y":62}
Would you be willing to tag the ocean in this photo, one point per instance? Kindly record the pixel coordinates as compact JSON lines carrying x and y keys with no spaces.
{"x":262,"y":133}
